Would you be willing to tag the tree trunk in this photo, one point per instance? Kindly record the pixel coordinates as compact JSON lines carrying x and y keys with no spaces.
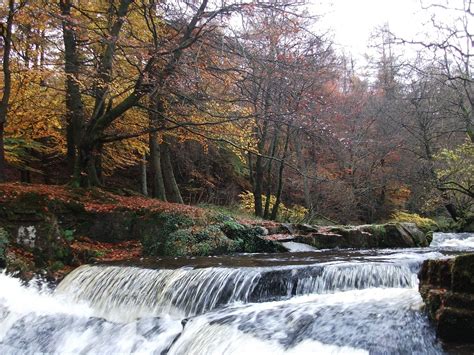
{"x":85,"y":168}
{"x":74,"y":105}
{"x":2,"y":154}
{"x":259,"y":171}
{"x":452,"y":211}
{"x":268,"y":196}
{"x":98,"y":162}
{"x":172,"y":189}
{"x":157,"y":183}
{"x":155,"y":112}
{"x":144,"y":182}
{"x":276,"y":206}
{"x":7,"y":33}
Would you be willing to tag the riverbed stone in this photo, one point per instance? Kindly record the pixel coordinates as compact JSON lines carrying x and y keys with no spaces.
{"x":447,"y":288}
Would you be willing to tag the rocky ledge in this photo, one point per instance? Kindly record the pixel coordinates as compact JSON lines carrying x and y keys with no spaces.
{"x":447,"y":288}
{"x":389,"y":235}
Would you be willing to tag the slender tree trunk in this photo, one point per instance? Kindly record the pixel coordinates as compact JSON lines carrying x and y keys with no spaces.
{"x":173,"y":193}
{"x":266,"y":211}
{"x":155,"y":121}
{"x":276,"y":206}
{"x":306,"y":183}
{"x":144,"y":182}
{"x":259,"y":172}
{"x":157,"y":183}
{"x":7,"y":32}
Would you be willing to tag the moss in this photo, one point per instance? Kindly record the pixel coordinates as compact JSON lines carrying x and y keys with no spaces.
{"x":202,"y":241}
{"x":56,"y":266}
{"x":379,"y":230}
{"x":157,"y":231}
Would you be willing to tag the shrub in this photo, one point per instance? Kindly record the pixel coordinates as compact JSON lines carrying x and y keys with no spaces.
{"x":425,"y":224}
{"x":295,"y":214}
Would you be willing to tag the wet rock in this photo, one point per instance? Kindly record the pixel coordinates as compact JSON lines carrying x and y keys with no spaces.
{"x":390,"y":235}
{"x":447,"y":288}
{"x":304,"y":228}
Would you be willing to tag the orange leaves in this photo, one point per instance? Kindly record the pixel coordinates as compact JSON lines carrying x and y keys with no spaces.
{"x":108,"y":251}
{"x":96,"y":200}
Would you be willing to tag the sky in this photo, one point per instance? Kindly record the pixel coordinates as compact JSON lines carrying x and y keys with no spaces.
{"x":352,"y":21}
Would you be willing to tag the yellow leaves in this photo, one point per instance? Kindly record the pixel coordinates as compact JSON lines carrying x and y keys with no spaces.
{"x":295,"y":214}
{"x":35,"y":115}
{"x":425,"y":224}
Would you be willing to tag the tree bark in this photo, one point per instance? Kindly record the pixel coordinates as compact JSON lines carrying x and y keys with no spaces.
{"x":144,"y":182}
{"x":276,"y":206}
{"x":6,"y":33}
{"x":172,"y":188}
{"x":155,"y":121}
{"x":74,"y":104}
{"x":157,"y":183}
{"x":268,"y":196}
{"x":259,"y":172}
{"x":2,"y":153}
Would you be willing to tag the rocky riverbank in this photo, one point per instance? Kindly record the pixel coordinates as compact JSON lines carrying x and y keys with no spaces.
{"x":447,"y":288}
{"x":54,"y":229}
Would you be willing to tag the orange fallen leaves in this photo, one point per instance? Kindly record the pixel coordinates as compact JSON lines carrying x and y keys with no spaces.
{"x":95,"y":200}
{"x":109,"y":251}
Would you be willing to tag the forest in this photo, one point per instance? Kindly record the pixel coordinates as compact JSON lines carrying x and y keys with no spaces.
{"x":238,"y":104}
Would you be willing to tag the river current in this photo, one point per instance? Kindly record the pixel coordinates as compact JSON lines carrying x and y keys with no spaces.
{"x":304,"y":302}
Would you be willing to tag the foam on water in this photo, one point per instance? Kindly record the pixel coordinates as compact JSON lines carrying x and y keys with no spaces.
{"x":456,"y":241}
{"x":295,"y":247}
{"x":33,"y":320}
{"x":345,"y":322}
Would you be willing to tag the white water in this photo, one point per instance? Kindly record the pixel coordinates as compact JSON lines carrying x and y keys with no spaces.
{"x":363,"y":304}
{"x":295,"y":247}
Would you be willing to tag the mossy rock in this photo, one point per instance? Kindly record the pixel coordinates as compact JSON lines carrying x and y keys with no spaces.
{"x":155,"y":231}
{"x":249,"y":238}
{"x":4,"y":241}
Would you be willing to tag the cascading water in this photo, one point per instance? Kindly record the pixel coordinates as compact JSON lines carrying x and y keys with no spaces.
{"x":320,"y":302}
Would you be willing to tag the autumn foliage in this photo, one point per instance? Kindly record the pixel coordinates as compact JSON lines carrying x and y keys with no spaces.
{"x":199,"y":102}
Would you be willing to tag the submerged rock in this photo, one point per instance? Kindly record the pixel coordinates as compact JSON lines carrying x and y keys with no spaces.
{"x":447,"y":288}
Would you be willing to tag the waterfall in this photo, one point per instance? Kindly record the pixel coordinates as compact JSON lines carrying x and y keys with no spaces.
{"x":34,"y":321}
{"x":338,"y":302}
{"x":113,"y":290}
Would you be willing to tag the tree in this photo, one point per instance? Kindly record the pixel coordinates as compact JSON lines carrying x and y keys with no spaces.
{"x":6,"y":31}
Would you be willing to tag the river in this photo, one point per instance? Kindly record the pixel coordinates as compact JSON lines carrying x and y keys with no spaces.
{"x":304,"y":302}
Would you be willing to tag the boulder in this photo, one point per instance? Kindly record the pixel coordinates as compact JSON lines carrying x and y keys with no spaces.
{"x":447,"y":288}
